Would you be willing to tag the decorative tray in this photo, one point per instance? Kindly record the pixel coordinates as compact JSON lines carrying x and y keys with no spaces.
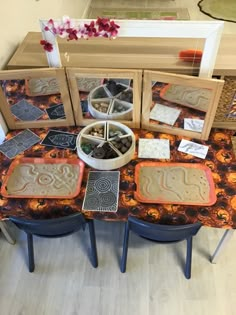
{"x":102,"y":191}
{"x":43,"y":178}
{"x":41,"y":86}
{"x":194,"y":97}
{"x":174,"y":183}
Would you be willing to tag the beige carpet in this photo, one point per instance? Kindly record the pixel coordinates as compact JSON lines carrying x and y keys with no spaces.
{"x":140,"y":13}
{"x":219,"y":9}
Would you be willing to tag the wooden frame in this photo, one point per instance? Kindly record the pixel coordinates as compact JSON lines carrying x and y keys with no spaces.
{"x":60,"y":76}
{"x":211,"y":31}
{"x":226,"y":99}
{"x":134,"y":75}
{"x":183,"y":80}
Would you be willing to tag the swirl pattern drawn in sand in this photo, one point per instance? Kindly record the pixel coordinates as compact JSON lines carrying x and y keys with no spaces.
{"x":174,"y":184}
{"x":43,"y":179}
{"x":188,"y":96}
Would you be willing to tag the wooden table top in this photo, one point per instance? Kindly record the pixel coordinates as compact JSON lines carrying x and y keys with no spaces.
{"x":220,"y":159}
{"x":129,"y":53}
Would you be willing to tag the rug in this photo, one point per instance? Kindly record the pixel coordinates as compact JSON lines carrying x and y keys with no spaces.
{"x":219,"y":10}
{"x":140,"y":13}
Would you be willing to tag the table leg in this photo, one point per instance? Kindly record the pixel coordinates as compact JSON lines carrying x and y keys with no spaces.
{"x":223,"y":242}
{"x":6,"y":232}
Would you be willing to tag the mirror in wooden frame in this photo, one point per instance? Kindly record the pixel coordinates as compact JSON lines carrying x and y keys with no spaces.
{"x":35,"y":98}
{"x":105,"y":94}
{"x":179,"y":104}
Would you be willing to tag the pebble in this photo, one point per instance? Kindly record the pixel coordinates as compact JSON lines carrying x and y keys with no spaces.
{"x":97,"y":132}
{"x":101,"y":107}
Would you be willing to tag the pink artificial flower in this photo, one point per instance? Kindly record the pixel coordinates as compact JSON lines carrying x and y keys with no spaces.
{"x":51,"y":26}
{"x":67,"y":28}
{"x":90,"y":29}
{"x":113,"y":29}
{"x":67,"y":21}
{"x":46,"y":45}
{"x":103,"y":24}
{"x":72,"y":34}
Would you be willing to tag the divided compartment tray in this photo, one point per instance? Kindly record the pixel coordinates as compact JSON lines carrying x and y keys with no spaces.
{"x":43,"y":178}
{"x":115,"y":104}
{"x":114,"y":134}
{"x":174,"y":183}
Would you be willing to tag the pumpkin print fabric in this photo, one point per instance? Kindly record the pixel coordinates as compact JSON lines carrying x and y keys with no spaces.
{"x":220,"y":159}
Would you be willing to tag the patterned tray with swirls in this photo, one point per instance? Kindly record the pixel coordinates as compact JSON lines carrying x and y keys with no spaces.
{"x":43,"y":178}
{"x":174,"y":183}
{"x":102,"y":191}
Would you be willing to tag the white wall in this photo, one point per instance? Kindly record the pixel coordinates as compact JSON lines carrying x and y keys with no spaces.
{"x":18,"y":17}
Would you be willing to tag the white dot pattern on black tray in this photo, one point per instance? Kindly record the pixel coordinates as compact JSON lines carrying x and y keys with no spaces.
{"x":102,"y":191}
{"x":103,"y":185}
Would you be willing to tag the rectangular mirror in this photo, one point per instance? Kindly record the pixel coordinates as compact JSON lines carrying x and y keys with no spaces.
{"x":35,"y":98}
{"x":105,"y":94}
{"x":179,"y":104}
{"x":208,"y":31}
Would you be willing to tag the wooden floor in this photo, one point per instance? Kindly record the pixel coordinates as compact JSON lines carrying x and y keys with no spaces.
{"x":65,"y":283}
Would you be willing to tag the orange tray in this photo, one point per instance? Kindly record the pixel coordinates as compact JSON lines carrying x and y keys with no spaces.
{"x":43,"y":178}
{"x":161,"y":185}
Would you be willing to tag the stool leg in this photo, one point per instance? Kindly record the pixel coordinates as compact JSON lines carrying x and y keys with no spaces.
{"x":188,"y":265}
{"x":30,"y":251}
{"x":125,"y":249}
{"x":6,"y":232}
{"x":223,"y":242}
{"x":93,"y":243}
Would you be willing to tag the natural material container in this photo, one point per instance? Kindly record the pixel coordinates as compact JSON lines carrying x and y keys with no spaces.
{"x":111,"y":152}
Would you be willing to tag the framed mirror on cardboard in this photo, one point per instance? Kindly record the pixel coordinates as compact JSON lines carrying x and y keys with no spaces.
{"x":35,"y":98}
{"x":179,"y":104}
{"x":105,"y":94}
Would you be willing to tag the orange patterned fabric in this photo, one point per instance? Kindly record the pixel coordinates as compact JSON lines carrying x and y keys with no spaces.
{"x":220,"y":159}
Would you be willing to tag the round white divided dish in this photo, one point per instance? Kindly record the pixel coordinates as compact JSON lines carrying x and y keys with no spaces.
{"x":111,"y":101}
{"x":112,"y":150}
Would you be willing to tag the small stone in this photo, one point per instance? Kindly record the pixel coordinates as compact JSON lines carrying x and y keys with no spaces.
{"x":124,"y":141}
{"x":99,"y":153}
{"x":123,"y":149}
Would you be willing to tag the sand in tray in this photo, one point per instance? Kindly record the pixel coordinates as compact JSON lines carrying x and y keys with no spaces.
{"x":43,"y":179}
{"x":174,"y":184}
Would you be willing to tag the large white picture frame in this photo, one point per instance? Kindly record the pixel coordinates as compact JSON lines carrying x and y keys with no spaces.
{"x":211,"y":31}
